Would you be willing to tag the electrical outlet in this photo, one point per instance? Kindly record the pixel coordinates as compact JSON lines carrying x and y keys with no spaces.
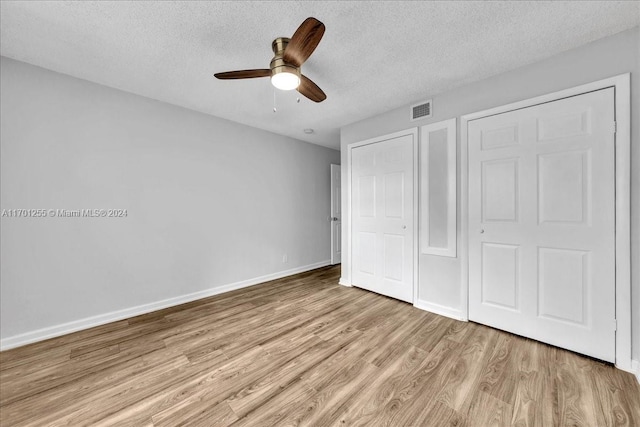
{"x":285,"y":258}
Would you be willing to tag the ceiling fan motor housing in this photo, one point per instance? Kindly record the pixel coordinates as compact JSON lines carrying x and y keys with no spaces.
{"x":278,"y":65}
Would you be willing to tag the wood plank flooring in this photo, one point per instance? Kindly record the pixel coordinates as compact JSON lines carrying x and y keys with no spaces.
{"x":304,"y":350}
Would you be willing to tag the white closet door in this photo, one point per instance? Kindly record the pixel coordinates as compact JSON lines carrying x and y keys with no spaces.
{"x":382,"y":217}
{"x":541,"y":223}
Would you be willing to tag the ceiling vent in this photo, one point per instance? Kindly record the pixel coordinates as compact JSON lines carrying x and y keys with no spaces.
{"x":421,"y":111}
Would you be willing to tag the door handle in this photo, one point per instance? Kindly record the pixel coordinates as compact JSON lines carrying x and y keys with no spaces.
{"x":335,"y":218}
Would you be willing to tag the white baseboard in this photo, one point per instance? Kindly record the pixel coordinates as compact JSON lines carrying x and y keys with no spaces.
{"x":101,"y":319}
{"x":635,"y":368}
{"x":439,"y":309}
{"x":344,"y":282}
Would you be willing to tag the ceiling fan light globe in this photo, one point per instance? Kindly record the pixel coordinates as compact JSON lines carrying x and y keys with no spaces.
{"x":285,"y":81}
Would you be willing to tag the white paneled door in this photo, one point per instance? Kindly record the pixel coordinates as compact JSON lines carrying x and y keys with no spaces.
{"x":383,"y":217}
{"x":336,"y":215}
{"x":541,"y":223}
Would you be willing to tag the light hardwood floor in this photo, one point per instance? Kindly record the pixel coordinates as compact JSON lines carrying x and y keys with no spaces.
{"x":306,"y":351}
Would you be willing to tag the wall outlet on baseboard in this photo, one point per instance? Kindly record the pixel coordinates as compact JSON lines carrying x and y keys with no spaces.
{"x":285,"y":258}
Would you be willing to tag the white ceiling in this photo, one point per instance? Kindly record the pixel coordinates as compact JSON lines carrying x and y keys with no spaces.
{"x":375,"y":56}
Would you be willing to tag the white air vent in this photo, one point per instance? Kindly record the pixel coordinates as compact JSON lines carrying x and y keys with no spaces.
{"x":421,"y":110}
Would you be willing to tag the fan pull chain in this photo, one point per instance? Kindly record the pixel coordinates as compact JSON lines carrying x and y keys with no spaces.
{"x":275,"y":110}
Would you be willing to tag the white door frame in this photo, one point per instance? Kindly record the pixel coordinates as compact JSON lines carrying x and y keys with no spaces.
{"x":348,"y":253}
{"x":335,"y":224}
{"x":621,"y":84}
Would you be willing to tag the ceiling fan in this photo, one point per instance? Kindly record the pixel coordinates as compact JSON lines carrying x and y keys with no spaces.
{"x":290,"y":54}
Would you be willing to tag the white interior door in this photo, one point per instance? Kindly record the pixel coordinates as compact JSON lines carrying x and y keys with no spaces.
{"x":382,"y":217}
{"x":541,"y":223}
{"x":336,"y":215}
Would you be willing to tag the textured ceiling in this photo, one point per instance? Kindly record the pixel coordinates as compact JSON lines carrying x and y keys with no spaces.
{"x":375,"y":56}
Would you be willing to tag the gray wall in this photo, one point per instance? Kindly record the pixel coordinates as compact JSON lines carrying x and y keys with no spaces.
{"x":210,"y":202}
{"x":439,"y":277}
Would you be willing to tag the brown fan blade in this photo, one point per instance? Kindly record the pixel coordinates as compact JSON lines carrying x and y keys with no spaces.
{"x":303,"y":42}
{"x":311,"y":90}
{"x":243,"y":74}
